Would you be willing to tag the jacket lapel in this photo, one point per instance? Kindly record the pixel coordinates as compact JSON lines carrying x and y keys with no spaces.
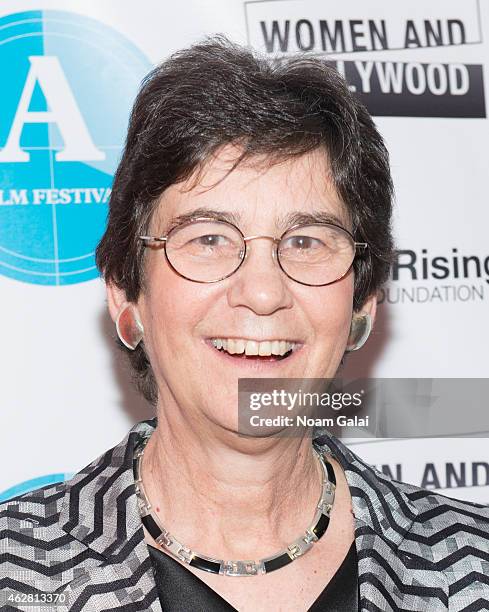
{"x":100,"y":510}
{"x":393,"y":575}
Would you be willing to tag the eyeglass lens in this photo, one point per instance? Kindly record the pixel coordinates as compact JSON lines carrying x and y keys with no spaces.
{"x":208,"y":251}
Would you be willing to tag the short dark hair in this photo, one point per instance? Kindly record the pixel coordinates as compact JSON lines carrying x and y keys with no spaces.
{"x":215,"y":93}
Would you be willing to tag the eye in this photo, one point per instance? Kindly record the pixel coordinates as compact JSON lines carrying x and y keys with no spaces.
{"x":211,"y":240}
{"x":301,"y":245}
{"x":307,"y":247}
{"x":303,"y":242}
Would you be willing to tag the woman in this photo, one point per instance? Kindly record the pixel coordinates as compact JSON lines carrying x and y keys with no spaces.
{"x":248,"y":235}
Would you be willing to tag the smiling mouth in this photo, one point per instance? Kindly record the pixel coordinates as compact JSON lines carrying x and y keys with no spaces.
{"x":242,"y":349}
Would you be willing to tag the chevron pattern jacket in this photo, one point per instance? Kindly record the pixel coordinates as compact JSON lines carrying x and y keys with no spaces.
{"x":417,"y":551}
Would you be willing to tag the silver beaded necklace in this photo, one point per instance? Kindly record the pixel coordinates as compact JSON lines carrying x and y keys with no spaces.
{"x":296,"y":549}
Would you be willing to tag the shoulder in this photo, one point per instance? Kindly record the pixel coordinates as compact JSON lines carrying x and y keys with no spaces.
{"x":40,"y":507}
{"x":434,"y":511}
{"x":35,"y":551}
{"x":452,"y":534}
{"x":438,"y":540}
{"x":391,"y":505}
{"x":442,"y":508}
{"x":33,"y":519}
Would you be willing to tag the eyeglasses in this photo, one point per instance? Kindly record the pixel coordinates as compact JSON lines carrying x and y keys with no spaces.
{"x":204,"y":250}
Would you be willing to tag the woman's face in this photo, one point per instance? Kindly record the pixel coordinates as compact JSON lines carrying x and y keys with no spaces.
{"x":258,"y":302}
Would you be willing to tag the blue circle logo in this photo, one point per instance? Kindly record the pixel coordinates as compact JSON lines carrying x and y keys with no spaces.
{"x":32,"y":484}
{"x":68,"y":84}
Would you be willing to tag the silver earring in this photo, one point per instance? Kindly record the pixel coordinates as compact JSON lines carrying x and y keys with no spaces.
{"x":129,"y":327}
{"x":361,"y":326}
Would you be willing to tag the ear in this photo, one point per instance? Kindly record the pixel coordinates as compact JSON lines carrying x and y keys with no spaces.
{"x":369,"y":307}
{"x":361,"y":324}
{"x":125,"y":316}
{"x":115,"y":299}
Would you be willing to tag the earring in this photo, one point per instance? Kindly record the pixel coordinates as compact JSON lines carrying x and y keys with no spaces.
{"x":129,"y":327}
{"x":360,"y":329}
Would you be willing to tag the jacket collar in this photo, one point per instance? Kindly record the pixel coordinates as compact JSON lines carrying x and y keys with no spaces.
{"x":376,"y":500}
{"x":100,"y":506}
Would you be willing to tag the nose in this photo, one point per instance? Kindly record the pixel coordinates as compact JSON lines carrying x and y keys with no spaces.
{"x":259,"y":283}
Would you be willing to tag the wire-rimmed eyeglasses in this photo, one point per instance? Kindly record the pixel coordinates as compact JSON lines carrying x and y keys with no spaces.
{"x":206,"y":250}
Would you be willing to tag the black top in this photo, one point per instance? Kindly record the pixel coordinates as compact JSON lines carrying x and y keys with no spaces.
{"x":180,"y":590}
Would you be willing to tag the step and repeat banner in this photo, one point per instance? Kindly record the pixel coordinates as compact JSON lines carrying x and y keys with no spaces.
{"x":70,"y":71}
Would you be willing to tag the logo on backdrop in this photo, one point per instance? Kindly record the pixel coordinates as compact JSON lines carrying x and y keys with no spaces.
{"x":68,"y":83}
{"x":406,"y":61}
{"x":460,"y":479}
{"x":32,"y":484}
{"x":424,"y":276}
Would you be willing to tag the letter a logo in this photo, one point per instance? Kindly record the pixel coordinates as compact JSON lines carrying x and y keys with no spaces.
{"x":68,"y":85}
{"x":46,"y":71}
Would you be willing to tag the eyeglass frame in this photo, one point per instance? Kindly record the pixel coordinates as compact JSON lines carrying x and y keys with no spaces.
{"x":276,"y":241}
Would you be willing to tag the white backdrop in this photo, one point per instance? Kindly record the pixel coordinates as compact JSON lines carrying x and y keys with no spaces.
{"x":64,"y":394}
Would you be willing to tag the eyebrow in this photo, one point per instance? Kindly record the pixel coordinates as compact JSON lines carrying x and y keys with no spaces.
{"x":320,"y":216}
{"x":283,"y":222}
{"x":218,"y":215}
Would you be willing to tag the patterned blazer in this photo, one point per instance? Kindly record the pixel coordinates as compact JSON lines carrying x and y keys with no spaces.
{"x":417,"y":550}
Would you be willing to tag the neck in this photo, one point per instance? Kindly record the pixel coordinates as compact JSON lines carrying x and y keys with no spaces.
{"x":228,"y":496}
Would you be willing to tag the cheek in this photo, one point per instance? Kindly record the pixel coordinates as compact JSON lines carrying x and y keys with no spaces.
{"x":169,"y":315}
{"x":158,"y":304}
{"x":332,"y":320}
{"x":332,"y":310}
{"x":173,"y":307}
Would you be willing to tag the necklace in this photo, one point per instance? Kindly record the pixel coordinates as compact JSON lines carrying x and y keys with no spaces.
{"x":296,"y":549}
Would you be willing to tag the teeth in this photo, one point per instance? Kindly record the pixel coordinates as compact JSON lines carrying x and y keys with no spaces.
{"x":240,"y":346}
{"x":275,"y":347}
{"x":252,"y":347}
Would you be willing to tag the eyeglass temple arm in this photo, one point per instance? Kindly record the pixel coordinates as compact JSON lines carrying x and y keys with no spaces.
{"x":154,"y":238}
